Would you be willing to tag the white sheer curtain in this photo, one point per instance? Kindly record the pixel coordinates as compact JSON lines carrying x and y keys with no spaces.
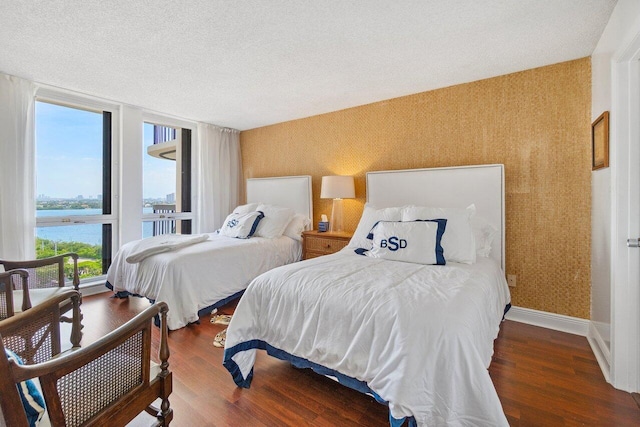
{"x":219,"y":182}
{"x":17,"y":168}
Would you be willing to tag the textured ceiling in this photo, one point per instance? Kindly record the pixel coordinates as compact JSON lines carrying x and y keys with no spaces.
{"x":245,"y":64}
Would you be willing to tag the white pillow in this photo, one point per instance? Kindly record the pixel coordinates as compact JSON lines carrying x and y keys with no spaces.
{"x":276,"y":219}
{"x":243,"y":209}
{"x":458,"y":241}
{"x":412,"y":241}
{"x":241,"y":226}
{"x":296,"y":226}
{"x":369,"y":217}
{"x":483,"y":233}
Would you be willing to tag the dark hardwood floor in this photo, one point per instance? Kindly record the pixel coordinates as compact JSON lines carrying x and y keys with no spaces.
{"x":543,"y":378}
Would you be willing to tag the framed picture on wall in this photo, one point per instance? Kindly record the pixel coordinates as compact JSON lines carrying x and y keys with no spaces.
{"x":600,"y":142}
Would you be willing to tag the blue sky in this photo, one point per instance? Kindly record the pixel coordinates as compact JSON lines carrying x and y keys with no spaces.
{"x":69,"y":155}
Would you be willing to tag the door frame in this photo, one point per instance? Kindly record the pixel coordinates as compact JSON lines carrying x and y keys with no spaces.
{"x":625,"y":272}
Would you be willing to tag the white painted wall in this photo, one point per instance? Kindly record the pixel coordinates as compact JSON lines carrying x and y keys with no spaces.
{"x":609,"y":205}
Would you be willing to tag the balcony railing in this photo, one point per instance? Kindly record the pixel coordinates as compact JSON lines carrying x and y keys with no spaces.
{"x":164,"y":226}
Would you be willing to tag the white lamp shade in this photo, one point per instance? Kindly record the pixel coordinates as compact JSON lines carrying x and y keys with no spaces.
{"x":337,"y":187}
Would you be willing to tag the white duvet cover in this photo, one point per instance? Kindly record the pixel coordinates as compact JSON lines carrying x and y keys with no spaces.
{"x":197,"y":276}
{"x":420,"y":337}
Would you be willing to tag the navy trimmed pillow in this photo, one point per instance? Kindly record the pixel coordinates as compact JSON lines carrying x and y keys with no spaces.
{"x":241,"y":226}
{"x":417,"y":242}
{"x":31,"y":397}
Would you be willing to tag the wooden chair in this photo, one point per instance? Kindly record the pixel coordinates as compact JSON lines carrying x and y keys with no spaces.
{"x":107,"y":383}
{"x":7,"y":290}
{"x":46,"y":278}
{"x":35,"y":335}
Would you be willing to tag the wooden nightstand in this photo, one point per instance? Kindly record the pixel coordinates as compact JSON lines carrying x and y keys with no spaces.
{"x":315,"y":243}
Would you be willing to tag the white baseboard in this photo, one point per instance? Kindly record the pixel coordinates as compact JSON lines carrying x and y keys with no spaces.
{"x":601,"y":351}
{"x":571,"y":325}
{"x":557,"y":322}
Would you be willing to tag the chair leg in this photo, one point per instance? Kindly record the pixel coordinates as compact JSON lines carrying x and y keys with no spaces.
{"x":166,"y":413}
{"x":163,"y":416}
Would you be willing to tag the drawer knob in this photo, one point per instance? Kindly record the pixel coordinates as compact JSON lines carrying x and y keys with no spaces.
{"x":329,"y":245}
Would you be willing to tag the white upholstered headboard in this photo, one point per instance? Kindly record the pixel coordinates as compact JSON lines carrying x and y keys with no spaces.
{"x":289,"y":191}
{"x":448,"y":187}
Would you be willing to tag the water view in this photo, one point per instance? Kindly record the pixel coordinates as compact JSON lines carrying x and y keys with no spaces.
{"x":83,"y":239}
{"x":85,"y":233}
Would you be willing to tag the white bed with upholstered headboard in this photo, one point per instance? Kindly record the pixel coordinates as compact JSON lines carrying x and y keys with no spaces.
{"x":417,"y":336}
{"x":203,"y":272}
{"x":448,"y":187}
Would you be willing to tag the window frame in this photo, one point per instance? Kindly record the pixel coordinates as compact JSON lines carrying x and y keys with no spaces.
{"x":180,"y":126}
{"x":65,"y":99}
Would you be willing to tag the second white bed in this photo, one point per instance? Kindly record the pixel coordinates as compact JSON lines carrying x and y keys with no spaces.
{"x":193,"y":280}
{"x":200,"y":275}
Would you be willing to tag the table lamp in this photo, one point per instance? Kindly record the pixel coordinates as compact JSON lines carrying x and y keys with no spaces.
{"x":337,"y":188}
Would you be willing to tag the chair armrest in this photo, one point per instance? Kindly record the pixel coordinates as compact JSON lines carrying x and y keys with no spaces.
{"x":79,"y":356}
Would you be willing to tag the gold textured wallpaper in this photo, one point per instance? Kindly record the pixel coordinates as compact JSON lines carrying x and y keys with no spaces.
{"x":535,"y":122}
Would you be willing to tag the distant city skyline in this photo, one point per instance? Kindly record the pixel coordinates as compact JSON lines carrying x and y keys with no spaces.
{"x":169,"y":198}
{"x":69,"y":146}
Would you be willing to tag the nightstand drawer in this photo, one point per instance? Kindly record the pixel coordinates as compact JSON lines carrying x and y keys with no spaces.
{"x":325,"y":246}
{"x":315,"y":244}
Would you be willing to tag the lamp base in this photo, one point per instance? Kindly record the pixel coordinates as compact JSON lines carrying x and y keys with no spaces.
{"x":336,"y":216}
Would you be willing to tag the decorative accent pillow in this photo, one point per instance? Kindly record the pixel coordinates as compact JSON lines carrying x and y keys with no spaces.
{"x":369,"y":217}
{"x":296,"y":226}
{"x":243,"y":209}
{"x":31,"y":397}
{"x":241,"y":226}
{"x":276,"y":219}
{"x":418,"y":241}
{"x":458,"y":242}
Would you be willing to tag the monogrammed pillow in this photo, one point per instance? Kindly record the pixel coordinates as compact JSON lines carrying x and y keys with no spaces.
{"x":412,"y":241}
{"x":243,"y":209}
{"x":241,"y":226}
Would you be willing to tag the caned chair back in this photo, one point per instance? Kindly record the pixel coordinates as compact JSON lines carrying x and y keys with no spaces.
{"x":47,"y":272}
{"x":45,"y":277}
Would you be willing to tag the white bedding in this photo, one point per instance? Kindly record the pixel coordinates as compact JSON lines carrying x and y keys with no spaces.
{"x":163,"y":243}
{"x":420,"y":336}
{"x":197,"y":276}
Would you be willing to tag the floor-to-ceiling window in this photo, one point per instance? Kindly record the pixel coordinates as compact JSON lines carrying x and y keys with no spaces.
{"x":166,"y":190}
{"x":74,"y":183}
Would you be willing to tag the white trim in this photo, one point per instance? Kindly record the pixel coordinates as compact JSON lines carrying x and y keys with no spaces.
{"x":67,"y":95}
{"x":160,"y":119}
{"x":625,"y":150}
{"x":74,"y":99}
{"x":568,"y":324}
{"x":93,"y":288}
{"x":557,"y":322}
{"x":600,"y":350}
